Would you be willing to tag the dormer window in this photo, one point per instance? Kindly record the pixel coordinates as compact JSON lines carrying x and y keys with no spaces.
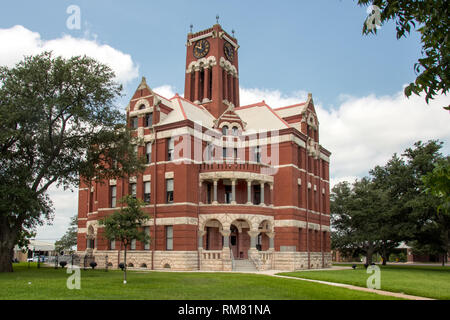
{"x":142,"y":107}
{"x":235,"y":131}
{"x":225,"y":130}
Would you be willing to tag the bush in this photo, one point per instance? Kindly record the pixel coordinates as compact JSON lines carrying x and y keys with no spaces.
{"x":63,"y":264}
{"x":93,"y":264}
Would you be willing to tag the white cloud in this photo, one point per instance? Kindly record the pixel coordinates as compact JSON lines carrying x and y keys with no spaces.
{"x":19,"y":41}
{"x":273,"y":98}
{"x":167,"y":91}
{"x":366,"y":131}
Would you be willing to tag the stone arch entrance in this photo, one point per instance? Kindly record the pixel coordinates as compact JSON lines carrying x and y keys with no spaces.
{"x":212,"y":235}
{"x":239,"y":238}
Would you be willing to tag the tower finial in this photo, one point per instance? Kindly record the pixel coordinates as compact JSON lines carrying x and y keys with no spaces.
{"x":232,"y":31}
{"x":191,"y":26}
{"x":217,"y":19}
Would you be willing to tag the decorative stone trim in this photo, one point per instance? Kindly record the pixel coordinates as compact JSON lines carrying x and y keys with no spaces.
{"x":201,"y":63}
{"x":172,"y":221}
{"x":203,"y":36}
{"x":147,"y":178}
{"x":112,"y":182}
{"x":236,"y":175}
{"x":228,"y":67}
{"x":169,"y":175}
{"x":133,"y":179}
{"x":226,"y":219}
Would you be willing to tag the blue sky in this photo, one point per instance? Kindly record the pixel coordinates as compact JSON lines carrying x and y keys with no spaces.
{"x":287,"y":48}
{"x":289,"y":45}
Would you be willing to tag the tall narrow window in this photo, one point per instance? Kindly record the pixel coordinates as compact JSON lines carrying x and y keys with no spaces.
{"x":209,"y":152}
{"x":147,"y":232}
{"x":134,"y":122}
{"x":149,"y":119}
{"x":257,"y":194}
{"x":169,"y":190}
{"x":225,"y":130}
{"x":169,"y":238}
{"x":208,"y":193}
{"x":133,"y":190}
{"x":148,"y":152}
{"x":112,"y":245}
{"x":258,"y":154}
{"x":224,"y":152}
{"x":228,"y":194}
{"x":113,"y":196}
{"x":170,"y":148}
{"x":235,"y":153}
{"x":235,"y":131}
{"x":147,"y":192}
{"x":133,"y":244}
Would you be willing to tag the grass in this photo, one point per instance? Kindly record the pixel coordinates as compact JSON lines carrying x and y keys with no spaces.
{"x":50,"y":284}
{"x":424,"y":281}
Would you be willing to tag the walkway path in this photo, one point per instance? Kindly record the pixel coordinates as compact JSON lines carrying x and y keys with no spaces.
{"x":273,"y":273}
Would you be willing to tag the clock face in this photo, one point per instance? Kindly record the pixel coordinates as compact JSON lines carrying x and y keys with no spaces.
{"x":229,"y":51}
{"x":201,"y":48}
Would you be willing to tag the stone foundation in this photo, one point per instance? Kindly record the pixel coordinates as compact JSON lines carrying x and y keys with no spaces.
{"x":219,"y":260}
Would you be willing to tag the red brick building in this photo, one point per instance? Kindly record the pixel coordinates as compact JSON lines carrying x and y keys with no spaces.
{"x":226,"y":186}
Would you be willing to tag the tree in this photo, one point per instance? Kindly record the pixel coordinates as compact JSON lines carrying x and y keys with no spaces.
{"x":431,"y":19}
{"x":125,"y":225}
{"x":58,"y":122}
{"x":437,"y":183}
{"x":69,"y":239}
{"x":357,"y":212}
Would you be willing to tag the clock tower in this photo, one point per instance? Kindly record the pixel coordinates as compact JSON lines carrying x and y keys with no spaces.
{"x":212,"y":73}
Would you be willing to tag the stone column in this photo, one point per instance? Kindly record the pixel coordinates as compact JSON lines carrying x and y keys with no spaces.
{"x":253,"y":235}
{"x":271,"y":195}
{"x":225,"y":85}
{"x":206,"y":85}
{"x":271,"y":236}
{"x":233,"y":191}
{"x":197,"y":85}
{"x":215,"y":192}
{"x":231,"y":90}
{"x":201,"y":233}
{"x":262,"y":194}
{"x":226,"y":238}
{"x":200,"y":186}
{"x":249,"y":191}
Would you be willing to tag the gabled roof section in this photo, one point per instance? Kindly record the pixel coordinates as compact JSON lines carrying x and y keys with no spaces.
{"x":229,"y":117}
{"x":260,"y":116}
{"x":186,"y":110}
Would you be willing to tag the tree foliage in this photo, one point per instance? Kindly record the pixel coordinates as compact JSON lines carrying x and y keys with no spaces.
{"x":431,"y":19}
{"x":125,"y":225}
{"x":69,"y":239}
{"x":58,"y":122}
{"x":399,"y":202}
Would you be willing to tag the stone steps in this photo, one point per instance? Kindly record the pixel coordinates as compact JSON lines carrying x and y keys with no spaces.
{"x":244,"y":265}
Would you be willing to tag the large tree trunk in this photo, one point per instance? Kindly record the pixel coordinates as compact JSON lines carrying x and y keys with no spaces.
{"x":7,"y":242}
{"x":369,"y":254}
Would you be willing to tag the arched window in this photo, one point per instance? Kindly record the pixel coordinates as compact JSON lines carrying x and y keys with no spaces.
{"x":235,"y":131}
{"x":142,"y":107}
{"x":225,"y":130}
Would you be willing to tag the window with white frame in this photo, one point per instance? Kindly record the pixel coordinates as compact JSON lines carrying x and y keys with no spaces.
{"x":147,"y":232}
{"x":147,"y":191}
{"x":170,"y":148}
{"x":113,"y":195}
{"x":169,"y":238}
{"x":148,"y":152}
{"x":169,"y":190}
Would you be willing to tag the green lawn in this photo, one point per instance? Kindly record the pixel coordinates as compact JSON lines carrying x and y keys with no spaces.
{"x":425,"y":281}
{"x":48,"y":283}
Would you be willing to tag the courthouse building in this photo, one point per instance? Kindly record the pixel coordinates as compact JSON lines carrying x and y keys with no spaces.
{"x":227,"y":187}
